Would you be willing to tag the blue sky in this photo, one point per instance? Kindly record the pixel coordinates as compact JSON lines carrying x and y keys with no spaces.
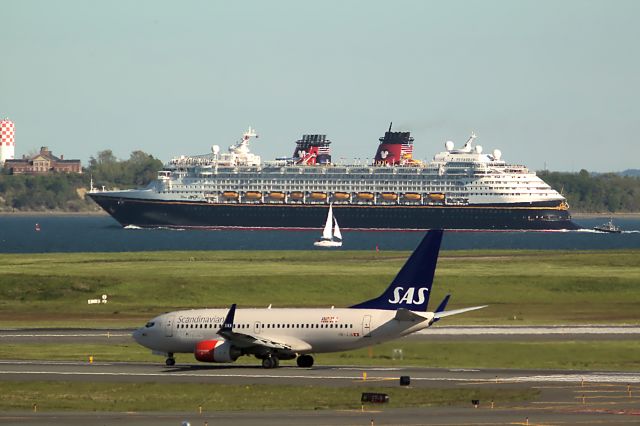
{"x":547,"y":82}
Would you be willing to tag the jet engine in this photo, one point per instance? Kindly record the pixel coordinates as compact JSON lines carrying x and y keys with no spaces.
{"x":216,"y":351}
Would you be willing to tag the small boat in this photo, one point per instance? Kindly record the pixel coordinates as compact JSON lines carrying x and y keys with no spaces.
{"x":276,"y":195}
{"x":389,"y":196}
{"x":297,"y":195}
{"x":230,"y":194}
{"x":608,"y":227}
{"x":412,"y":196}
{"x":436,"y":196}
{"x":318,"y":195}
{"x":341,"y":196}
{"x":365,"y":196}
{"x":331,"y":236}
{"x":37,"y":227}
{"x":253,"y":195}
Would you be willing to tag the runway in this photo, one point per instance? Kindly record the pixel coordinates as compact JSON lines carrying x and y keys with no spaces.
{"x":567,"y":397}
{"x":572,"y":332}
{"x":322,"y":375}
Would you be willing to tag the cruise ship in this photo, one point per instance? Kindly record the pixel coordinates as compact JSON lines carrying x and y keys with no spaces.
{"x":461,"y":189}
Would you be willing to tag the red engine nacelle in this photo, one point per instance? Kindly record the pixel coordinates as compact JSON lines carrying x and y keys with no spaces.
{"x":216,"y":351}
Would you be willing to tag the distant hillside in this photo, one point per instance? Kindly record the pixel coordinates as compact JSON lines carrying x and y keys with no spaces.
{"x":630,"y":172}
{"x":65,"y":192}
{"x":596,"y":193}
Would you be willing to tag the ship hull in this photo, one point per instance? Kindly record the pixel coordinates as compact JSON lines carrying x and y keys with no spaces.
{"x":148,"y":213}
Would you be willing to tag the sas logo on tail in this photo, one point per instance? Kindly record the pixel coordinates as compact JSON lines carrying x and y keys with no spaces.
{"x":408,"y":296}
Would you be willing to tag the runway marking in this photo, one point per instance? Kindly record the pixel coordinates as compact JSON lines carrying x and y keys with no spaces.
{"x":209,"y":376}
{"x":66,"y":335}
{"x":522,"y":379}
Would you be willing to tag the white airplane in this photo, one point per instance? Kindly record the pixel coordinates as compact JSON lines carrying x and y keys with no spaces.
{"x":271,"y":335}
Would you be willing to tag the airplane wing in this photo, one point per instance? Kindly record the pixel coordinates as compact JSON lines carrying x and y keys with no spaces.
{"x":247,"y":341}
{"x":442,"y":314}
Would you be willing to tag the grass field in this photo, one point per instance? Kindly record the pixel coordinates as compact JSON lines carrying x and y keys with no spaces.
{"x":131,"y":397}
{"x":616,"y":355}
{"x":521,"y":287}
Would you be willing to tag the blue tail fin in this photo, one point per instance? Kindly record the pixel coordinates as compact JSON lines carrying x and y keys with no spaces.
{"x":412,"y":286}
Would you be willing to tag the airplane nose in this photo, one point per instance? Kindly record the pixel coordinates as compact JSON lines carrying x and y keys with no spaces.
{"x":138,"y":335}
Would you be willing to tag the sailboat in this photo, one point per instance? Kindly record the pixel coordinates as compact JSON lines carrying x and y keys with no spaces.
{"x":331,"y":236}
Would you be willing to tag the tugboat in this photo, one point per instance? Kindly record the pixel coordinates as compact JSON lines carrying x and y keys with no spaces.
{"x":608,"y":227}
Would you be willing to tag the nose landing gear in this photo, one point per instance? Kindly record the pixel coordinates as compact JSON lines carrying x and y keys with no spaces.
{"x":170,"y":360}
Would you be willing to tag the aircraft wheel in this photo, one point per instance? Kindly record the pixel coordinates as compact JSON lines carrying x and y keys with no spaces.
{"x":305,"y":361}
{"x":271,"y":362}
{"x":170,"y":361}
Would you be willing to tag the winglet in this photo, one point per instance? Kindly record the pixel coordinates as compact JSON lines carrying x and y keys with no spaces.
{"x":443,"y":304}
{"x":441,"y":307}
{"x":227,"y":325}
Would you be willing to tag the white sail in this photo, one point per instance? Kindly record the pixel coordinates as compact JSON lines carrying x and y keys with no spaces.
{"x":336,"y":230}
{"x":326,"y":234}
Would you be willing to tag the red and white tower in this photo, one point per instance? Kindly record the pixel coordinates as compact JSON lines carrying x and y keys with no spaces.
{"x":7,"y":141}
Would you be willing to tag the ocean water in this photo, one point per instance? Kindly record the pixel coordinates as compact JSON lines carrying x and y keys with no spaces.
{"x":93,"y":233}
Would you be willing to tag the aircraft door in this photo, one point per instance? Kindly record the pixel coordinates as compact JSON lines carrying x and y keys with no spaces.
{"x":256,"y":327}
{"x":366,"y":326}
{"x":168,"y":326}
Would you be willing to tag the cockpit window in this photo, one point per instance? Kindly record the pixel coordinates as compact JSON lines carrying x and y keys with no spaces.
{"x":150,"y":324}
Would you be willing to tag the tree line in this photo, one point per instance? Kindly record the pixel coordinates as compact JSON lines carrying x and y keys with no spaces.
{"x":585,"y":192}
{"x":596,"y":193}
{"x":65,"y":191}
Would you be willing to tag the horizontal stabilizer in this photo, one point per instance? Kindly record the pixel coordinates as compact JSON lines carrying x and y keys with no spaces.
{"x":438,"y":315}
{"x":407,"y":315}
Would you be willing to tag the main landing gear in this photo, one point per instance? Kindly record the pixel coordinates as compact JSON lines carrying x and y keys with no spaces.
{"x":305,"y":361}
{"x":270,"y":362}
{"x":170,"y":360}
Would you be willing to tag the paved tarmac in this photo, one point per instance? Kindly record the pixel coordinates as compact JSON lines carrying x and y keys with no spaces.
{"x":567,"y":397}
{"x":448,"y":333}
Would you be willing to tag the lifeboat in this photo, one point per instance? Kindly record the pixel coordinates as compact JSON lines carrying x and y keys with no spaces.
{"x":436,"y":196}
{"x":365,"y":196}
{"x":389,"y":196}
{"x":276,"y":195}
{"x":253,"y":195}
{"x":297,"y":195}
{"x":230,"y":194}
{"x":412,"y":196}
{"x":319,"y":195}
{"x":341,"y":196}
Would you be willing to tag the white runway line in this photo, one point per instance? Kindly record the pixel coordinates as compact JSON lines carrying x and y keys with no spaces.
{"x":562,"y":378}
{"x":66,"y":335}
{"x":533,"y":330}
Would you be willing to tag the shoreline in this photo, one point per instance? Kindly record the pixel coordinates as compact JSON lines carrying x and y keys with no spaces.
{"x":581,"y":215}
{"x":597,"y":215}
{"x":54,"y":213}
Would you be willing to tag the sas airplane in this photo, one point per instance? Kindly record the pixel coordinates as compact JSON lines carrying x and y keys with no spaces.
{"x":271,"y":335}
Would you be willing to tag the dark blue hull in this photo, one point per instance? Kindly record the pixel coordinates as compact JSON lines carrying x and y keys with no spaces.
{"x":152,"y":213}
